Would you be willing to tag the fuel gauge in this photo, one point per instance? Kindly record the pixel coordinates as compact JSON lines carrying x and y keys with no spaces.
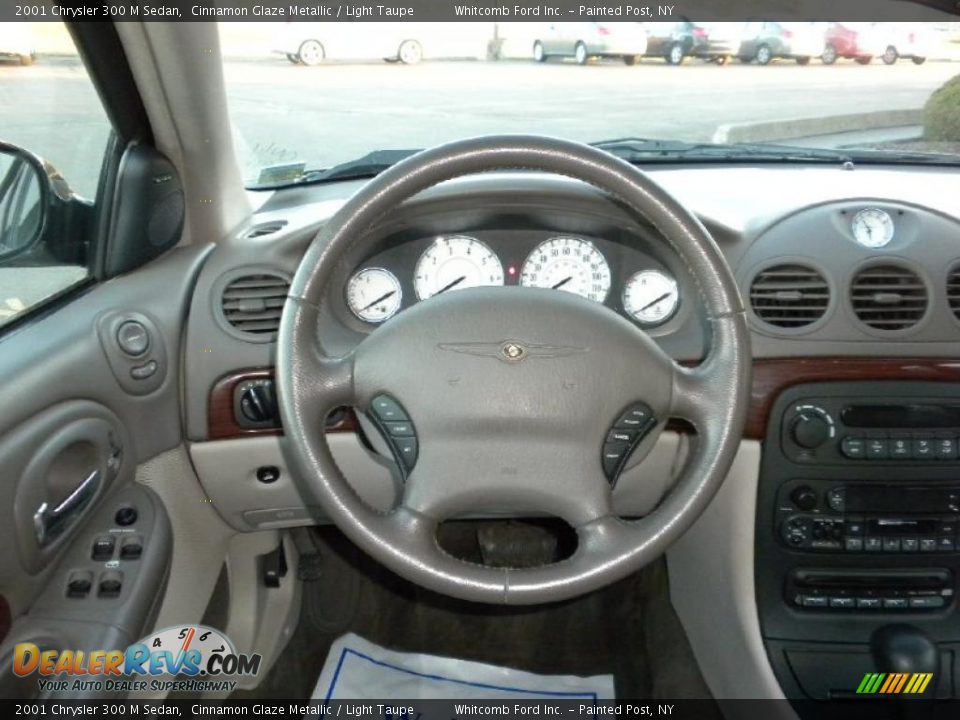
{"x":651,"y":297}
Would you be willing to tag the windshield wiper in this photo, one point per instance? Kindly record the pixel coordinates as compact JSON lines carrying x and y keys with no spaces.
{"x":368,"y":166}
{"x":639,"y":149}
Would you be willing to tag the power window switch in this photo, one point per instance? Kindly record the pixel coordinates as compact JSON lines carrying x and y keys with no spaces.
{"x":102,"y":548}
{"x":131,"y":548}
{"x":111,"y":583}
{"x":79,"y":584}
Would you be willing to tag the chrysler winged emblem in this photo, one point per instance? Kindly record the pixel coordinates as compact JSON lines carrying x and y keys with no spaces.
{"x":513,"y":351}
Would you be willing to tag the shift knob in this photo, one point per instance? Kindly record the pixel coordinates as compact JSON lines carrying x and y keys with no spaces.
{"x":904,"y":648}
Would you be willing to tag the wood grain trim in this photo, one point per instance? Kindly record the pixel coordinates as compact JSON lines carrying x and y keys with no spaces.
{"x":221,"y":424}
{"x":772,"y":377}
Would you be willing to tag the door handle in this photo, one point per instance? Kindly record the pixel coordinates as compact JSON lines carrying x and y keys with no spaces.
{"x":49,"y":522}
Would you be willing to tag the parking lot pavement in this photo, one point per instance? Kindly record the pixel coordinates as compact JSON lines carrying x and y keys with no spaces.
{"x":339,"y":111}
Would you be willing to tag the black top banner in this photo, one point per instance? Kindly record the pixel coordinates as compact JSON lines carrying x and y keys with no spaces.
{"x":550,"y":11}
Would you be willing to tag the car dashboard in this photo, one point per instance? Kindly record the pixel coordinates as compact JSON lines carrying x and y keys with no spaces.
{"x":850,"y":280}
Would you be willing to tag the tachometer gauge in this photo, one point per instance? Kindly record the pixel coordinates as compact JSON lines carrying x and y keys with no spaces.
{"x":454,"y":262}
{"x":374,"y":295}
{"x":651,"y":297}
{"x":872,"y":228}
{"x":568,"y":263}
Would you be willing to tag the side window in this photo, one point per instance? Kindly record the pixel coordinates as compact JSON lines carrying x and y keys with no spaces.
{"x":53,"y":139}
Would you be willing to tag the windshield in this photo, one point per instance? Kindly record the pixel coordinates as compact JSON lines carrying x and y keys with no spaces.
{"x":307,"y":98}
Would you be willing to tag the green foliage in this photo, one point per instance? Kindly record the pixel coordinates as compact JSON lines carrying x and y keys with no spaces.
{"x":941,"y":114}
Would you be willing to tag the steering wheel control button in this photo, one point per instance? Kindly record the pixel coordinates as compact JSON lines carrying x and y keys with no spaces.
{"x":268,"y":474}
{"x":636,"y":417}
{"x":397,"y":429}
{"x":126,"y":515}
{"x":386,"y":409}
{"x":407,"y":450}
{"x":133,"y":338}
{"x":627,"y":432}
{"x":102,"y":548}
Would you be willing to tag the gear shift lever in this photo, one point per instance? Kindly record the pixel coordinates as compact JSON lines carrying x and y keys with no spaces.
{"x":904,"y":648}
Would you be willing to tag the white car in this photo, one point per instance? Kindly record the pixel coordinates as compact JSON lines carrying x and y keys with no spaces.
{"x":16,"y":42}
{"x":585,"y":40}
{"x":409,"y":43}
{"x":911,"y":41}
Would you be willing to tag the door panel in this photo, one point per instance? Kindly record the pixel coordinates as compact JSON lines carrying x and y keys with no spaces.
{"x":75,"y":421}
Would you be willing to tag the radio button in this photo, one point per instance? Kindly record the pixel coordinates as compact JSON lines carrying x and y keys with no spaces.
{"x":868,"y":603}
{"x":813,"y":601}
{"x":928,"y":544}
{"x":947,"y":527}
{"x":853,"y":544}
{"x":923,"y":449}
{"x":900,"y":448}
{"x":853,"y":448}
{"x":853,"y":526}
{"x":945,"y":544}
{"x":844,"y":603}
{"x":872,"y":544}
{"x":891,"y":544}
{"x":877,"y":449}
{"x":895,"y":603}
{"x":836,"y":500}
{"x":947,"y":448}
{"x":910,"y":545}
{"x":927,"y":602}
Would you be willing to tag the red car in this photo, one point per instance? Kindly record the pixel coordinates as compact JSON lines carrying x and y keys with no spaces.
{"x":855,"y":41}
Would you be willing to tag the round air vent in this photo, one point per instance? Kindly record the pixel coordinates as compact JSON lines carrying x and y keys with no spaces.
{"x":888,"y":297}
{"x":252,"y":304}
{"x":789,"y":296}
{"x":953,"y":291}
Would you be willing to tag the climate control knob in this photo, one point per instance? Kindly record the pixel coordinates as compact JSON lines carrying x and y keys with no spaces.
{"x":810,"y":430}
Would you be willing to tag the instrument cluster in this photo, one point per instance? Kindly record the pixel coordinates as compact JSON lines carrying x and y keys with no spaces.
{"x":626,"y":279}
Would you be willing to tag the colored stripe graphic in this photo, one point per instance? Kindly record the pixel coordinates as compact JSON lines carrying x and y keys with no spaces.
{"x":894,"y":683}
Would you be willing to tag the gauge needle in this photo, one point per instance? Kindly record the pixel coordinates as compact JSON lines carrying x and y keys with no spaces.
{"x":451,"y":284}
{"x":654,"y":302}
{"x":562,"y":282}
{"x":378,"y":300}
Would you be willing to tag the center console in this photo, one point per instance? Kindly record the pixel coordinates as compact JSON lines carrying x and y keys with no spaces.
{"x":857,"y":533}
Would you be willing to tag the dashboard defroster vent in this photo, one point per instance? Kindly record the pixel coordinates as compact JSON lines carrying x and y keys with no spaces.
{"x":888,"y":297}
{"x":252,"y":304}
{"x":264,"y":229}
{"x":789,"y":295}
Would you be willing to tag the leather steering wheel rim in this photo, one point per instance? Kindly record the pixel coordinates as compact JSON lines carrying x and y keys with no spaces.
{"x":405,"y":358}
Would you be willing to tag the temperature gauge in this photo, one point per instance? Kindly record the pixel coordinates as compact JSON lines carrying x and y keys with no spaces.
{"x":651,"y":297}
{"x":374,"y":295}
{"x":873,"y":228}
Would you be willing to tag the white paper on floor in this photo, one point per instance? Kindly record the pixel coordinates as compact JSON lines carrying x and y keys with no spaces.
{"x":356,"y":669}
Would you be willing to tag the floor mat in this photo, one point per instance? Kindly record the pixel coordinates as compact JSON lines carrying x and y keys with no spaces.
{"x":360,"y":670}
{"x":627,"y":629}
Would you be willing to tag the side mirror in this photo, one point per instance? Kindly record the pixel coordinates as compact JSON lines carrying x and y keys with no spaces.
{"x":25,"y":191}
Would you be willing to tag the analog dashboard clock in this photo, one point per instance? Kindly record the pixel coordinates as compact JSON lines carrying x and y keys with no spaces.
{"x":872,"y":228}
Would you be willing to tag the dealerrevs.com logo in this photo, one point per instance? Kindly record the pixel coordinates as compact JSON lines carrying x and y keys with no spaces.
{"x":190,"y":658}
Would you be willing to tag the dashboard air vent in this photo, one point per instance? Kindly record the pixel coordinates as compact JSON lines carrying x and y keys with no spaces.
{"x":252,"y":304}
{"x":953,"y":291}
{"x":789,"y":295}
{"x":264,"y":229}
{"x":888,"y":297}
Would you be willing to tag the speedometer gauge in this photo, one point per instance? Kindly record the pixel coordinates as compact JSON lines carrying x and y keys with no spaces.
{"x":374,"y":295}
{"x":454,"y":262}
{"x":568,"y":263}
{"x":651,"y":297}
{"x":872,"y":228}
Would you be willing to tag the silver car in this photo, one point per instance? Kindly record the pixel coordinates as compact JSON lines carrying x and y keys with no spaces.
{"x":585,"y":40}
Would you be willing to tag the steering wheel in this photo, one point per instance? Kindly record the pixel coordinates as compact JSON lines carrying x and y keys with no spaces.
{"x":512,"y":391}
